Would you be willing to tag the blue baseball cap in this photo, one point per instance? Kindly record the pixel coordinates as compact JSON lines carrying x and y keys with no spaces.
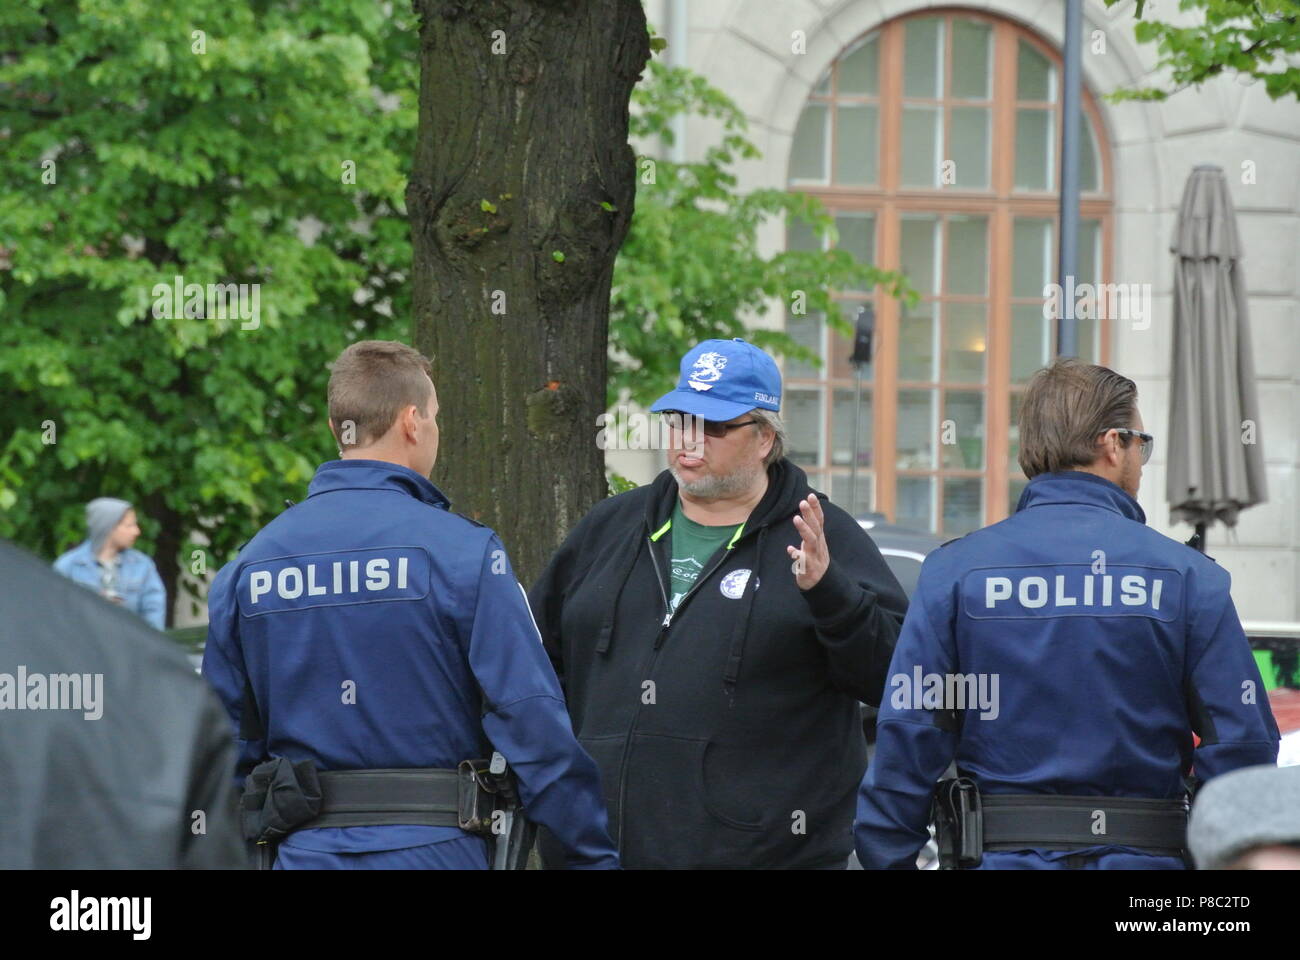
{"x":721,"y":379}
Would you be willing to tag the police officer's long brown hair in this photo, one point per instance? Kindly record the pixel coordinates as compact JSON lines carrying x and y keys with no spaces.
{"x":1067,"y":406}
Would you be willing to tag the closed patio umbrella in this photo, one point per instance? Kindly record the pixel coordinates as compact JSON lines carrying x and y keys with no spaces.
{"x":1216,"y":464}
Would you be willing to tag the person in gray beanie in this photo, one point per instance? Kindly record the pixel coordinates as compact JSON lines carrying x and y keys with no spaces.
{"x":105,"y":562}
{"x":1248,"y":820}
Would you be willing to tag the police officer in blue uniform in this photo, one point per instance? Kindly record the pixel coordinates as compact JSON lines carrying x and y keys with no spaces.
{"x":1063,"y":658}
{"x":368,"y":641}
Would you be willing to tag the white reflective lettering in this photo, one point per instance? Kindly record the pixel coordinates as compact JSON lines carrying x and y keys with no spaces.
{"x":1061,"y":599}
{"x":995,"y":589}
{"x":1041,"y":586}
{"x":282,"y":587}
{"x":258,"y":584}
{"x":313,"y":589}
{"x":1134,"y":591}
{"x":377,"y":574}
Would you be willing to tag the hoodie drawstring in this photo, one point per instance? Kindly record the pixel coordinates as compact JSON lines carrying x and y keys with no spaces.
{"x":738,"y":633}
{"x":607,"y":626}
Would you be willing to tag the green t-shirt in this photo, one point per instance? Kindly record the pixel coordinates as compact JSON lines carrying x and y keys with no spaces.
{"x":691,"y":547}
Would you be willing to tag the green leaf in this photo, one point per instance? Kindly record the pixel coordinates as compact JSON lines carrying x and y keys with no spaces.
{"x":487,"y":206}
{"x":557,"y":256}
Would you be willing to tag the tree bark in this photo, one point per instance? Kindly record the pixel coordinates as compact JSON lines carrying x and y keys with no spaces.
{"x":167,"y":545}
{"x":521,"y":194}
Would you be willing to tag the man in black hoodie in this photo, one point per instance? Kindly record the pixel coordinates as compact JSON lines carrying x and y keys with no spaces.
{"x":714,"y":632}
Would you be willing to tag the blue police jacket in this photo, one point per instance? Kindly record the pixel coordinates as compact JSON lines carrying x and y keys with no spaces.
{"x":369,"y":627}
{"x":138,"y":582}
{"x":1080,"y":649}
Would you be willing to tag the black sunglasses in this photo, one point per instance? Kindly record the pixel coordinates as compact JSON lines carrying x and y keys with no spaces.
{"x":712,"y":428}
{"x":1148,"y":441}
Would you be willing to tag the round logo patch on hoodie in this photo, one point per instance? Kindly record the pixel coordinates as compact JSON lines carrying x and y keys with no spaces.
{"x":733,"y":584}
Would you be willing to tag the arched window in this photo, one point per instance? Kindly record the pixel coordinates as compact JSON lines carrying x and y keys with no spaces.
{"x":933,"y":140}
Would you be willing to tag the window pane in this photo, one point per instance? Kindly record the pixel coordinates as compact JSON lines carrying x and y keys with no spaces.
{"x":823,"y":88}
{"x":857,"y":235}
{"x":808,"y":152}
{"x":1016,"y":488}
{"x":800,"y":236}
{"x":1086,"y":332}
{"x":967,"y":254}
{"x":856,"y":144}
{"x":965,"y":408}
{"x":969,"y":149}
{"x":916,"y":338}
{"x":803,"y":415}
{"x":1089,"y":248}
{"x":842,"y":429}
{"x":915,"y":503}
{"x":920,"y":146}
{"x":916,"y":429}
{"x":860,"y":69}
{"x":1035,"y":75}
{"x":923,"y":57}
{"x":1034,"y":163}
{"x":1089,"y":177}
{"x":805,"y":330}
{"x":1013,"y":437}
{"x":970,"y":59}
{"x":1031,"y":341}
{"x":1089,"y":271}
{"x":840,"y":490}
{"x":918,"y":252}
{"x":1032,"y":257}
{"x":965,"y":343}
{"x":963,"y":500}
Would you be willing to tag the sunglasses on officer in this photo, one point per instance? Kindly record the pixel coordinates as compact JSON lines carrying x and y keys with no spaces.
{"x":711,"y":428}
{"x":1148,"y":441}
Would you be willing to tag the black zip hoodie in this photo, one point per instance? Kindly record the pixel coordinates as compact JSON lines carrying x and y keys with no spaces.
{"x":727,"y":733}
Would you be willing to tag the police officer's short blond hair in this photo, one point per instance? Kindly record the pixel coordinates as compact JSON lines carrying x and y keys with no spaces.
{"x":373,"y":381}
{"x":1067,"y":407}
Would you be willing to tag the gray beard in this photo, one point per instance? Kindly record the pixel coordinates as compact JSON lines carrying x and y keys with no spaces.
{"x":725,"y":487}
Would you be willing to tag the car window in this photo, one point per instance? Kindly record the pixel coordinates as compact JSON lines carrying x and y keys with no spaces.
{"x":907,"y":570}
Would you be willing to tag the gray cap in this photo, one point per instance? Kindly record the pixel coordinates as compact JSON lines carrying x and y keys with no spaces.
{"x":102,"y":515}
{"x":1238,"y":811}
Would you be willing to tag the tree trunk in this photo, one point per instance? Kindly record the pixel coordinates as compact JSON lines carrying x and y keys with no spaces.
{"x":167,"y":545}
{"x":520,"y":196}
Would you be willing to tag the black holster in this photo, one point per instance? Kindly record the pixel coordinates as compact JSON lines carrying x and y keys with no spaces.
{"x":959,"y":824}
{"x":279,"y":796}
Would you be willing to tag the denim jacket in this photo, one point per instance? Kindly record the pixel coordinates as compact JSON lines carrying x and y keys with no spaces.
{"x":137,"y":580}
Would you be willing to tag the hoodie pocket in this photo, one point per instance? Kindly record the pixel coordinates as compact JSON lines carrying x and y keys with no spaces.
{"x":670,"y":821}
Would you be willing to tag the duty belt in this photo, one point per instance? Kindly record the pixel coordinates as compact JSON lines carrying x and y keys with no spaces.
{"x":1062,"y":822}
{"x":379,"y":798}
{"x":969,"y":823}
{"x":282,"y":796}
